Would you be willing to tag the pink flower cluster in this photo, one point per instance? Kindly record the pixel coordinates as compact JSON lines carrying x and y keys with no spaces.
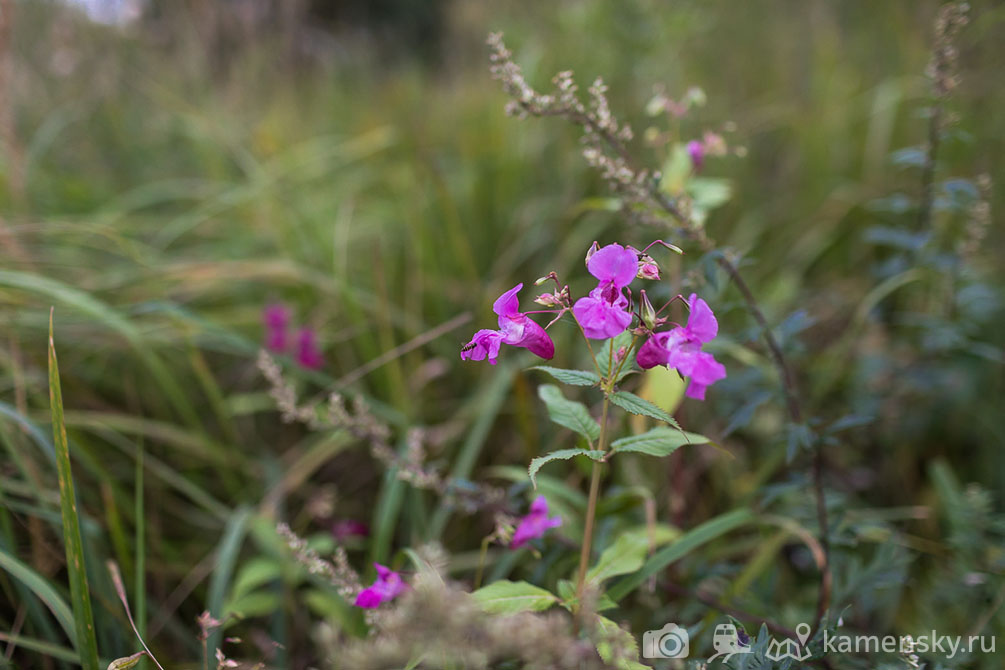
{"x":389,"y":584}
{"x":606,"y":312}
{"x":303,"y":344}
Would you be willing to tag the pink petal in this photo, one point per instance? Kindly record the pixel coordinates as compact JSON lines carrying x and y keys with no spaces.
{"x":614,"y":263}
{"x":653,"y":352}
{"x":508,"y":304}
{"x":533,"y":337}
{"x":368,"y":598}
{"x":308,"y":354}
{"x":701,"y":323}
{"x":276,"y":315}
{"x":539,"y":506}
{"x":600,"y":319}
{"x":486,"y":345}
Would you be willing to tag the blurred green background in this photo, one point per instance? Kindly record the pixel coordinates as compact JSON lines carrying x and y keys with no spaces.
{"x":164,"y":178}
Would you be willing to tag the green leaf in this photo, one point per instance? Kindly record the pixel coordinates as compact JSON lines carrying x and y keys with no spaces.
{"x":569,"y":413}
{"x":636,"y":405}
{"x":567,"y":593}
{"x":560,"y":455}
{"x":687,"y":542}
{"x":126,"y":662}
{"x":45,"y":592}
{"x":574,"y":377}
{"x":661,"y":441}
{"x":506,"y":597}
{"x":80,"y":597}
{"x":617,"y":646}
{"x":626,"y":555}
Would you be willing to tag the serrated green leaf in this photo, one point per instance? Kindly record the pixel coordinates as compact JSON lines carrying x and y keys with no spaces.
{"x":661,"y":441}
{"x":617,"y":646}
{"x":560,"y":455}
{"x":574,"y":377}
{"x":636,"y":405}
{"x":506,"y":597}
{"x":567,"y":594}
{"x":626,"y":555}
{"x":568,"y":413}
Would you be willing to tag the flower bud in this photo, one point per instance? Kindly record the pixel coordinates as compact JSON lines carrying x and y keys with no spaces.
{"x":548,"y":300}
{"x":648,"y":269}
{"x":589,"y":254}
{"x":646,"y":312}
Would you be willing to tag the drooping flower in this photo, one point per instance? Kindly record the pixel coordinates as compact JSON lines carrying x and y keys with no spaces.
{"x":535,"y":524}
{"x":385,"y":588}
{"x":604,"y":312}
{"x":515,"y":329}
{"x":276,"y":318}
{"x":308,"y":353}
{"x":680,"y":348}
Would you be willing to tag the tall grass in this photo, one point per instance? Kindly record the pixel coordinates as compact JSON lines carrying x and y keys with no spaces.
{"x":165,"y":202}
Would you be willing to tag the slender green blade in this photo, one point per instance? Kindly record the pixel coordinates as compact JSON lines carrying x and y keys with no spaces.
{"x":687,"y":542}
{"x":43,"y":590}
{"x":87,"y":645}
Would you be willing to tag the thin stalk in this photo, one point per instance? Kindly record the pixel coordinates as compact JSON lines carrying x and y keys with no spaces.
{"x":591,"y":509}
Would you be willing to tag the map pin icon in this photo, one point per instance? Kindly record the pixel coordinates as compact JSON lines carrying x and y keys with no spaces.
{"x":803,"y":632}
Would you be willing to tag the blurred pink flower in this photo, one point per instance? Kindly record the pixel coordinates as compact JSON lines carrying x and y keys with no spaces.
{"x":515,"y":329}
{"x":696,"y":150}
{"x":308,"y":354}
{"x":603,"y":313}
{"x":680,"y":348}
{"x":347,"y":528}
{"x":385,"y":588}
{"x":276,"y":318}
{"x":535,"y":524}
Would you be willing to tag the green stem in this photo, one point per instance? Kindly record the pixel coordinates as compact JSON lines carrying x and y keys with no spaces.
{"x":591,"y":510}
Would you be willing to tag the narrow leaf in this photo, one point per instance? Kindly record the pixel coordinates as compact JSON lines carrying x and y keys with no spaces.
{"x":560,"y":455}
{"x":636,"y":405}
{"x":506,"y":597}
{"x":569,"y":413}
{"x":660,"y":441}
{"x":574,"y":377}
{"x":687,"y":542}
{"x":80,"y":597}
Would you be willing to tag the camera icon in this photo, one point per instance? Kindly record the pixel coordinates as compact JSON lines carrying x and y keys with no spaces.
{"x":670,"y":641}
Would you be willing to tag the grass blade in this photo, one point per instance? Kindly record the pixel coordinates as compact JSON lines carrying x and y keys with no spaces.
{"x":80,"y":599}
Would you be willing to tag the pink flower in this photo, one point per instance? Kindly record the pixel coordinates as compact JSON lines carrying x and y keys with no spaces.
{"x":276,"y":318}
{"x":680,"y":348}
{"x":308,"y":354}
{"x":347,"y":528}
{"x":696,"y":150}
{"x":604,"y":312}
{"x":385,"y":588}
{"x":515,"y":329}
{"x":535,"y":524}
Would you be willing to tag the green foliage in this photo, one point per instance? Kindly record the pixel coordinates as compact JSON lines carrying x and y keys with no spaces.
{"x":568,"y":413}
{"x":636,"y":405}
{"x":80,"y":593}
{"x":560,"y":455}
{"x":660,"y":441}
{"x":506,"y":597}
{"x":574,"y":377}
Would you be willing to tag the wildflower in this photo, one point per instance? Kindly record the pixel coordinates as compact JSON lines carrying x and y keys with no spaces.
{"x":648,"y":269}
{"x":696,"y":150}
{"x":535,"y":524}
{"x":276,"y":318}
{"x":680,"y":348}
{"x":603,"y":314}
{"x":308,"y":353}
{"x":515,"y":329}
{"x":347,"y":528}
{"x":385,"y":588}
